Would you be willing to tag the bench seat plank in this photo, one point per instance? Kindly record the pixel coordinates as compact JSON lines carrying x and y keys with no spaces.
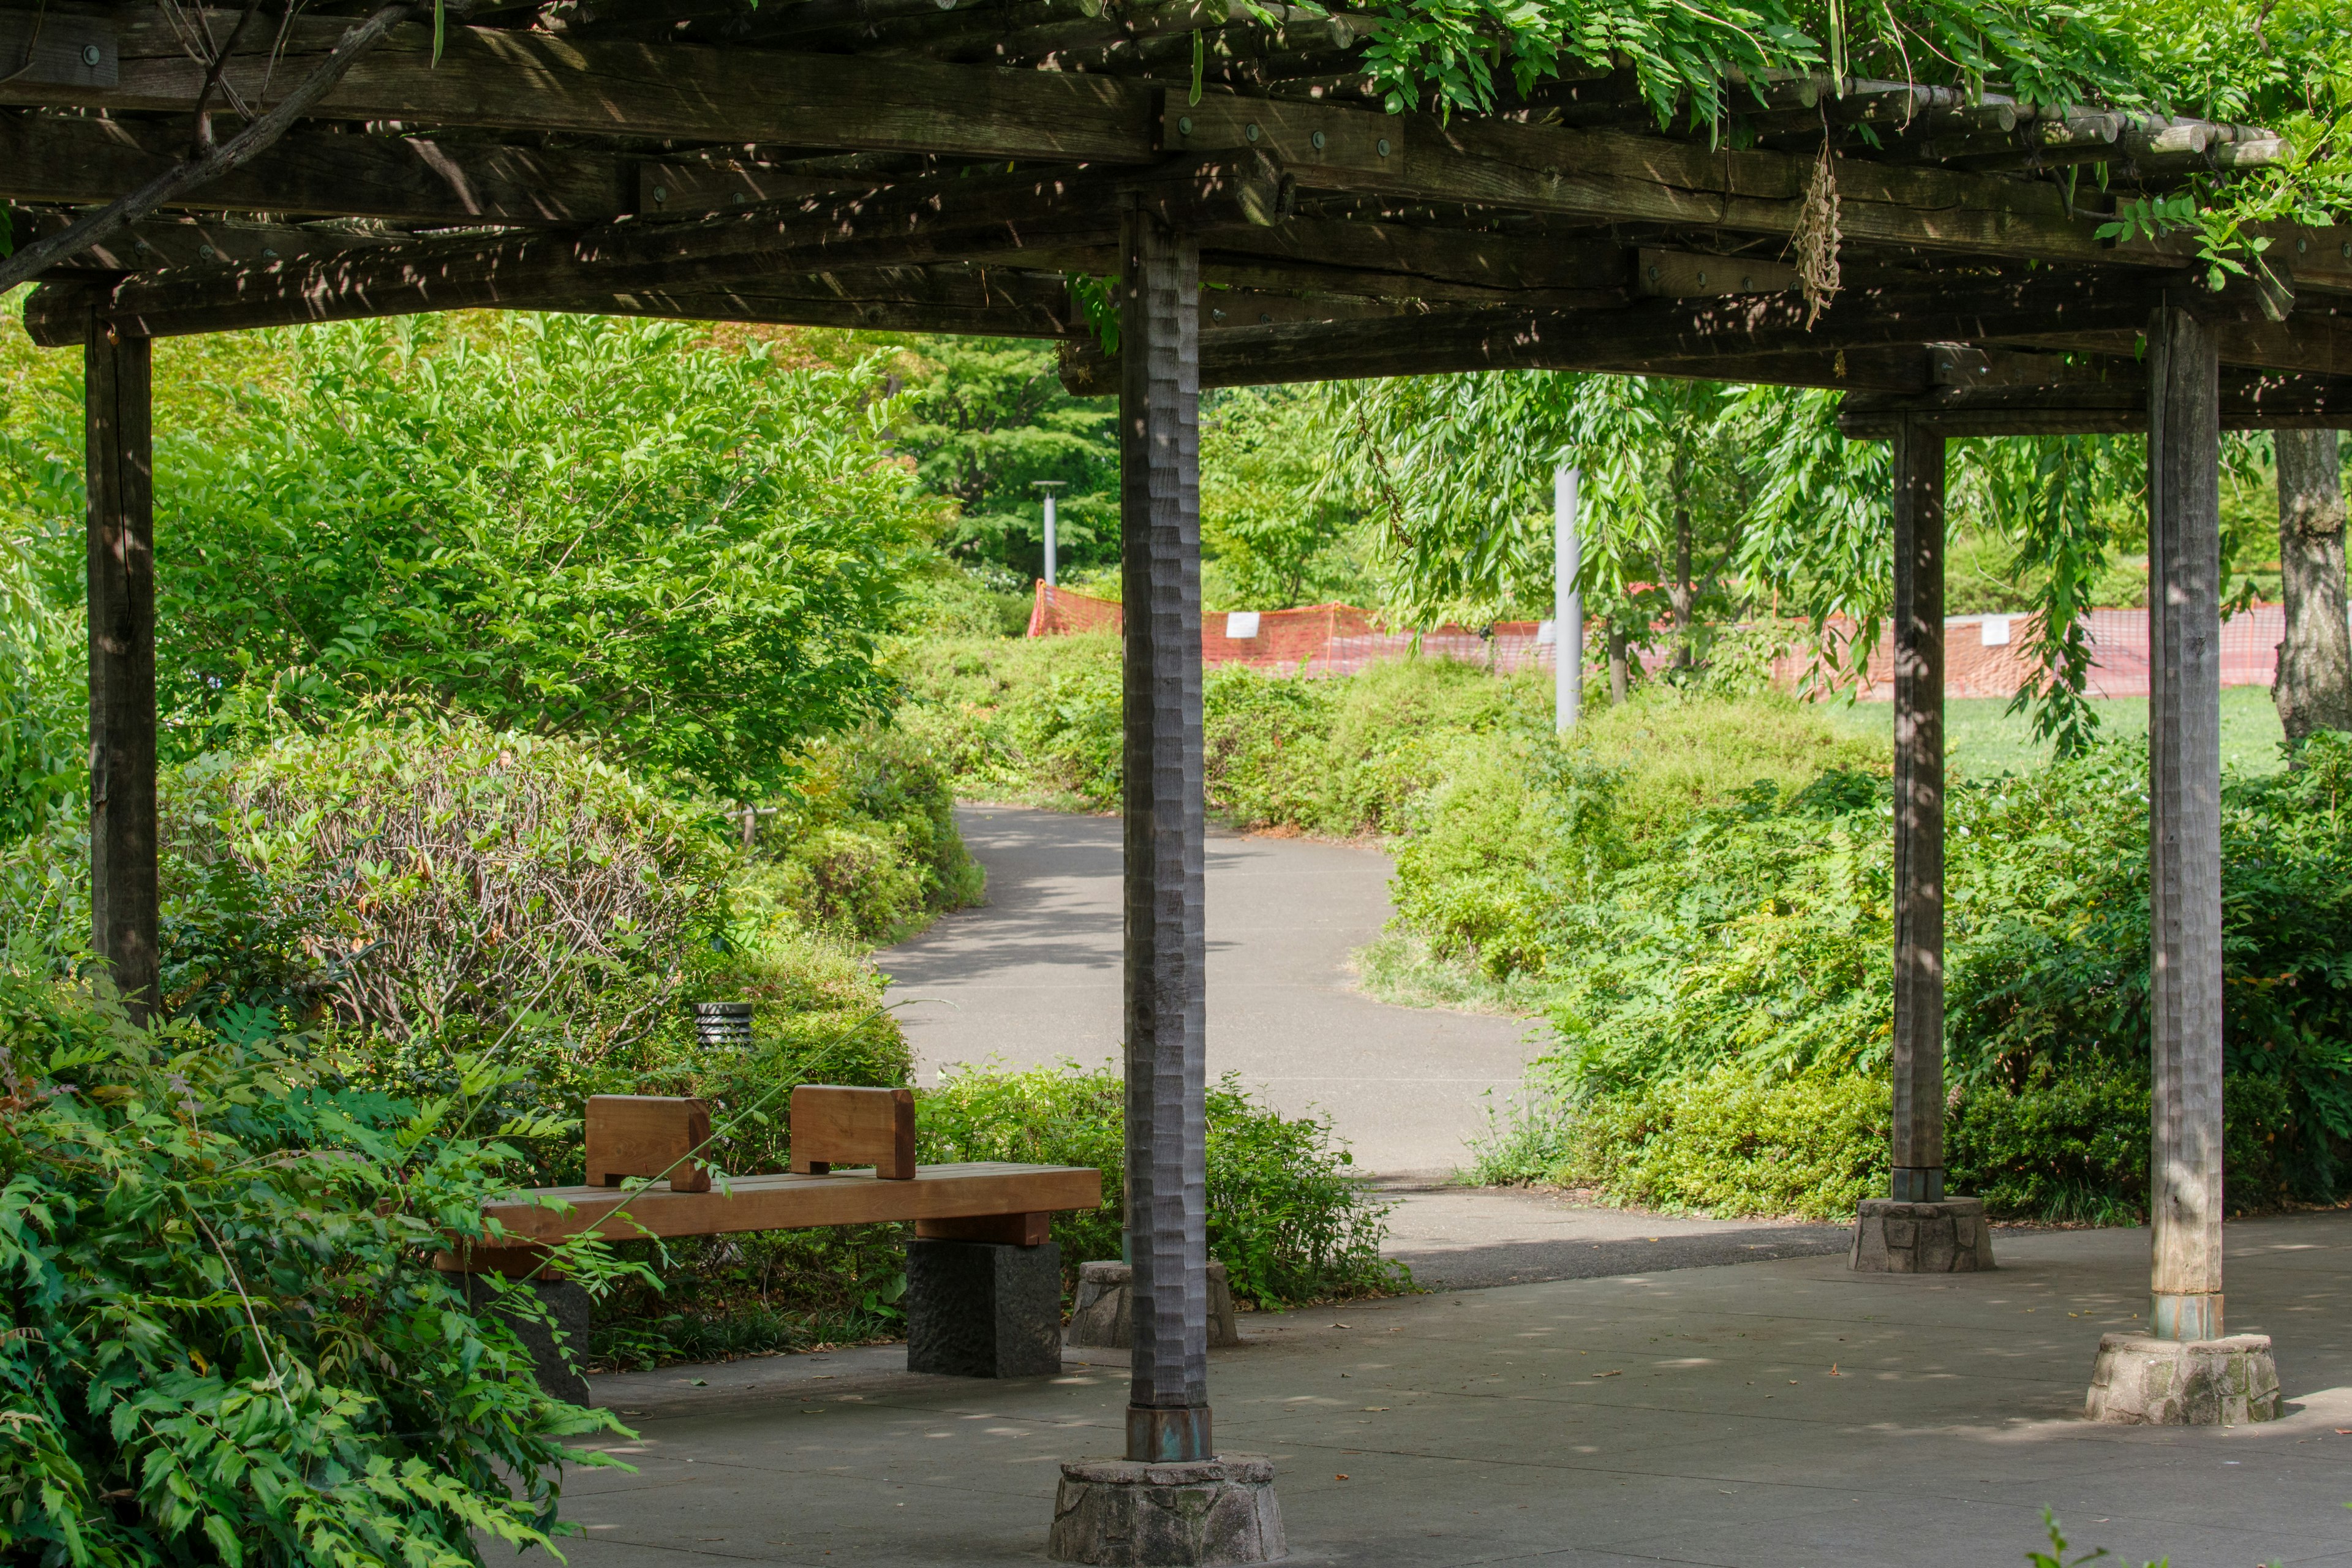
{"x":786,"y":1202}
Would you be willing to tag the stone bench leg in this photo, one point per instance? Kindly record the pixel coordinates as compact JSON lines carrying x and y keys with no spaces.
{"x":557,"y":1369}
{"x":984,"y":1308}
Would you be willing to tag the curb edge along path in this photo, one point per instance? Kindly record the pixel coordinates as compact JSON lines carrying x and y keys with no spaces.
{"x":1032,"y":977}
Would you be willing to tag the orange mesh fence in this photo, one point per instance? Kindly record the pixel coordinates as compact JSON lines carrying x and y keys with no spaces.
{"x":1984,"y":656}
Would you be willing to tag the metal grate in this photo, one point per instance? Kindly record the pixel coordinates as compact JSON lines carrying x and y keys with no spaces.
{"x":722,"y":1023}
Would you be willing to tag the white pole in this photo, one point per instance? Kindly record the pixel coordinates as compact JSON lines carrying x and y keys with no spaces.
{"x":1568,"y":604}
{"x":1049,"y":538}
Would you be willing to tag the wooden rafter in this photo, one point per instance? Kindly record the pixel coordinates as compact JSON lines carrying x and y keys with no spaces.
{"x":1656,"y":332}
{"x":889,"y":228}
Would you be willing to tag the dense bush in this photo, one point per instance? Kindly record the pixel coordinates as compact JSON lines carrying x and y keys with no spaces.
{"x":1285,"y":1217}
{"x":866,"y":845}
{"x":221,"y":1340}
{"x":1751,"y":948}
{"x":1038,"y":720}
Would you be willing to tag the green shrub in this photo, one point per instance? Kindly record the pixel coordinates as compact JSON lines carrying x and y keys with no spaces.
{"x":1038,"y":721}
{"x":1285,"y":1217}
{"x":866,"y":845}
{"x":1760,"y":934}
{"x":220,"y":1336}
{"x":1737,"y":1139}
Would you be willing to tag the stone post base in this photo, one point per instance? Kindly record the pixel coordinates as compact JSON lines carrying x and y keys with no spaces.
{"x":2143,"y":1381}
{"x":557,"y":1367}
{"x":984,"y":1308}
{"x":1103,"y":1317}
{"x":1947,"y":1236}
{"x":1218,"y":1510}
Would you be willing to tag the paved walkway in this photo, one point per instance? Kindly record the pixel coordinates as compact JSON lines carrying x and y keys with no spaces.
{"x":1779,"y":1415}
{"x":1032,"y":977}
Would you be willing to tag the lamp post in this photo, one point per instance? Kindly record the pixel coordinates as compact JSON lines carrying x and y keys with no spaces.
{"x":1568,"y":604}
{"x":1049,"y":487}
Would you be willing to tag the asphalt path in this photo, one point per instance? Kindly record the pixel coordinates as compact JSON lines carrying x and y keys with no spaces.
{"x":1032,"y":978}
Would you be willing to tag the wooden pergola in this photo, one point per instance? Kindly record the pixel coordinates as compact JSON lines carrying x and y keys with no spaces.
{"x":937,"y":166}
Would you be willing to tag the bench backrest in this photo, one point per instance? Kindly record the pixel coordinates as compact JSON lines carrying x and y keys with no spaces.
{"x":644,"y":1135}
{"x":837,"y":1126}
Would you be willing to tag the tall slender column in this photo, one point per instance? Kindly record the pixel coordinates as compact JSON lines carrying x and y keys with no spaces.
{"x":1167,"y":1061}
{"x":1918,"y":1173}
{"x":2184,"y":613}
{"x":1568,"y":604}
{"x":120,"y":454}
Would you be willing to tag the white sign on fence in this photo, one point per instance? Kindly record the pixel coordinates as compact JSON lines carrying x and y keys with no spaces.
{"x":1241,"y":625}
{"x":1995,"y":630}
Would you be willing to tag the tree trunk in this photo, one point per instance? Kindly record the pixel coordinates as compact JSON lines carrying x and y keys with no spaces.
{"x":1681,"y":589}
{"x":1617,"y":665}
{"x":2315,"y":661}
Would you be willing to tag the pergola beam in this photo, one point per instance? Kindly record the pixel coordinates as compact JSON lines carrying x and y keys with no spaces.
{"x":2250,"y":400}
{"x":517,"y":80}
{"x":894,"y":226}
{"x":1738,"y":338}
{"x":408,"y":180}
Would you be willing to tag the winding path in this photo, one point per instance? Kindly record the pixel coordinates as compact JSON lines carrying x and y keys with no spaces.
{"x":1032,"y":976}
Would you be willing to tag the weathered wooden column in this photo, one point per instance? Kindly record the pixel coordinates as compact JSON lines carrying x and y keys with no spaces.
{"x":1167,"y":1055}
{"x":1916,"y":1228}
{"x":2184,"y":731}
{"x":119,"y":456}
{"x":1918,"y":1163}
{"x":2183,"y":1372}
{"x":1172,"y":1498}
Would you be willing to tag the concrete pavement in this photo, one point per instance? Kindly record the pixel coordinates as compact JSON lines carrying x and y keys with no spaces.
{"x":1779,"y":1414}
{"x":1032,"y":977}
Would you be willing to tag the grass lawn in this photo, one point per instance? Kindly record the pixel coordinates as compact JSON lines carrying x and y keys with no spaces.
{"x":1981,"y":738}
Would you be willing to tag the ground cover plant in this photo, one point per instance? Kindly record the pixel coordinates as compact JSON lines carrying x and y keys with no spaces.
{"x":221,"y":1336}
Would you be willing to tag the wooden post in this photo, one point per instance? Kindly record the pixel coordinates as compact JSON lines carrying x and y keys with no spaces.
{"x":119,"y":456}
{"x":2184,"y":712}
{"x":1918,"y":1153}
{"x":1166,"y":1060}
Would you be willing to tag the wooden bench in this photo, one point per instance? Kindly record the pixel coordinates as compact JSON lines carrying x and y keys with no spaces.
{"x":983,"y":1279}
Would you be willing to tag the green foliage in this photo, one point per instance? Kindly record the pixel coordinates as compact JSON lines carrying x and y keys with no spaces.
{"x":1740,"y":1138}
{"x":1448,"y":54}
{"x":943,"y":599}
{"x":455,"y":881}
{"x":1038,"y":719}
{"x":1752,"y":937}
{"x":43,"y":690}
{"x":866,"y":845}
{"x":223,"y":1341}
{"x":984,"y":419}
{"x":1525,"y":831}
{"x":1268,"y":539}
{"x":566,"y":525}
{"x":1286,"y":1218}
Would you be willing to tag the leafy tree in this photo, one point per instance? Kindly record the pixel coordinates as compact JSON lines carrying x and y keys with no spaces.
{"x":1679,"y":519}
{"x":1273,"y":539}
{"x":984,"y":419}
{"x":565,"y":525}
